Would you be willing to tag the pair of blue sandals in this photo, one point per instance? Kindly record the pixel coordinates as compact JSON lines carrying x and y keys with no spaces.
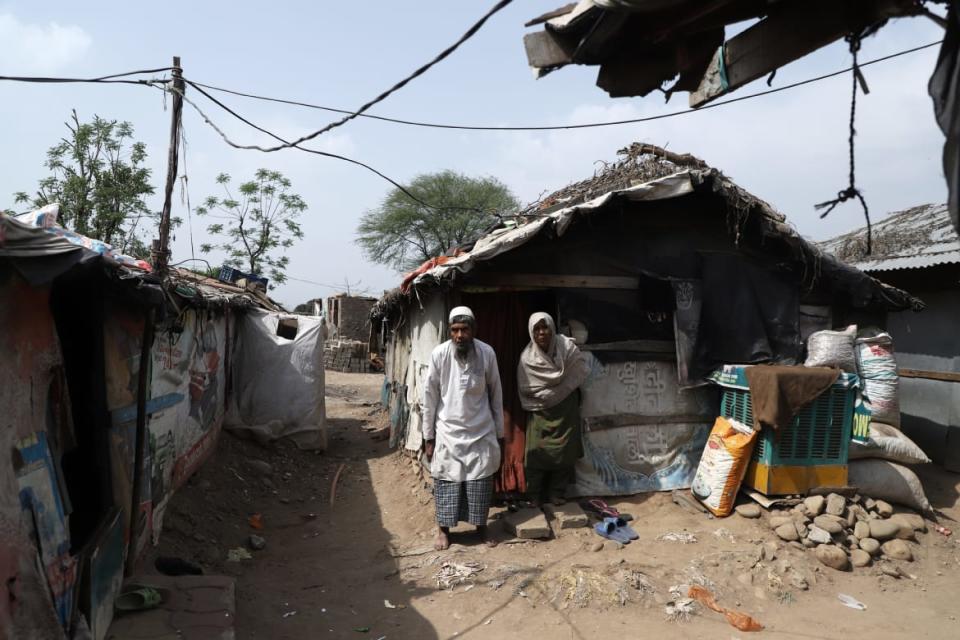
{"x":616,"y":529}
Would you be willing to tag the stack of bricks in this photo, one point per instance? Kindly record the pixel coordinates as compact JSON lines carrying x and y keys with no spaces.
{"x":350,"y":356}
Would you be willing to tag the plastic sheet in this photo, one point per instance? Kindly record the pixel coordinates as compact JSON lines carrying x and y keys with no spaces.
{"x":278,"y":382}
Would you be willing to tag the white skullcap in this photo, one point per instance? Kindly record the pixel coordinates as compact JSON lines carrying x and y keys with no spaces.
{"x":460,"y":311}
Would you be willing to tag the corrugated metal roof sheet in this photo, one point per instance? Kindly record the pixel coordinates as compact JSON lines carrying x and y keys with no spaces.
{"x":916,"y":238}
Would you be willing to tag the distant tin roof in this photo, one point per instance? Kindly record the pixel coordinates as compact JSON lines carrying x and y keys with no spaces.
{"x":916,"y":238}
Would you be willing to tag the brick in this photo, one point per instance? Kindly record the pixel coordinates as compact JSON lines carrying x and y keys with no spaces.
{"x":527,"y":523}
{"x":567,"y":516}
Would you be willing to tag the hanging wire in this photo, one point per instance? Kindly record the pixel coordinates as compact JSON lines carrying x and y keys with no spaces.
{"x":852,"y":191}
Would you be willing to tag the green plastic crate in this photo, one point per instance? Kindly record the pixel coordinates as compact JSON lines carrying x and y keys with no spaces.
{"x":819,"y":434}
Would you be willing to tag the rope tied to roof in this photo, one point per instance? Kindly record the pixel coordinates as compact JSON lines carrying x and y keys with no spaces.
{"x":851,"y":192}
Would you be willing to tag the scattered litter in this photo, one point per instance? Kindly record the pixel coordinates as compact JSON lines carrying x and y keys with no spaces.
{"x":333,"y":485}
{"x":896,"y":572}
{"x":496,"y":584}
{"x":850,"y":601}
{"x":289,"y":613}
{"x":942,"y":530}
{"x":741,"y":621}
{"x":680,"y":610}
{"x":683,"y":537}
{"x":389,"y":605}
{"x":489,"y":620}
{"x":238,"y":554}
{"x":468,"y":587}
{"x":453,"y":573}
{"x":308,"y":516}
{"x":725,"y":534}
{"x":256,"y":521}
{"x":362,"y":629}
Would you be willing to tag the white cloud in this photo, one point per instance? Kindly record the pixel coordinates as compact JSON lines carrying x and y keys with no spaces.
{"x":38,"y":48}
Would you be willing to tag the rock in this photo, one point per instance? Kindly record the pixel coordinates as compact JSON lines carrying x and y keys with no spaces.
{"x":832,"y":556}
{"x":256,"y":542}
{"x":567,"y":516}
{"x":814,"y":505}
{"x":527,"y":523}
{"x":788,"y":532}
{"x":852,"y":541}
{"x":906,"y":532}
{"x":797,"y":581}
{"x":818,"y":535}
{"x":828,"y":524}
{"x":861,"y":530}
{"x":897,"y":549}
{"x":850,"y":519}
{"x":870,"y":545}
{"x":914,"y":521}
{"x":869,"y":503}
{"x":749,"y":510}
{"x":612,"y":545}
{"x":801,"y":529}
{"x":859,"y":513}
{"x":260,"y":467}
{"x":859,"y":558}
{"x":884,"y":510}
{"x":799,"y":517}
{"x":796,"y":545}
{"x":596,"y":546}
{"x":808,"y":543}
{"x":836,"y":504}
{"x":883,"y":529}
{"x":776,"y":522}
{"x":769,"y":551}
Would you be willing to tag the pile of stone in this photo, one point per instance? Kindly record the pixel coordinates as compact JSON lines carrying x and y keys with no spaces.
{"x":350,"y":356}
{"x":844,"y":532}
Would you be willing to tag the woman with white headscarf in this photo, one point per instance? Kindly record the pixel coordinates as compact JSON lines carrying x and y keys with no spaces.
{"x":551,"y":370}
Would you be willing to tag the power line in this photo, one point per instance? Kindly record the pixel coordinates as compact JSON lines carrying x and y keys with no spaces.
{"x":112,"y":78}
{"x":396,"y":87}
{"x":230,"y":142}
{"x":610,"y":123}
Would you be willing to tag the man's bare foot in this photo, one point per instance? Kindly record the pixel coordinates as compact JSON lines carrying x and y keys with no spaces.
{"x":442,"y":541}
{"x":486,"y":536}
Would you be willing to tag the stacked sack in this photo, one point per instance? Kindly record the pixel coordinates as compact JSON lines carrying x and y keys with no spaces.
{"x":875,"y":466}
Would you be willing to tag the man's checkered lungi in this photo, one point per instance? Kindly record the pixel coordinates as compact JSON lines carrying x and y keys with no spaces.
{"x":467,"y":501}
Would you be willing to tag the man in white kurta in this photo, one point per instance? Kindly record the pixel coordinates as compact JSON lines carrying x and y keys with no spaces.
{"x":462,"y":427}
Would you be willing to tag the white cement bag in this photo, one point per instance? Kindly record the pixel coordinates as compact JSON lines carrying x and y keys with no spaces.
{"x":888,"y":443}
{"x":883,"y":480}
{"x":832,"y":349}
{"x":878,"y":368}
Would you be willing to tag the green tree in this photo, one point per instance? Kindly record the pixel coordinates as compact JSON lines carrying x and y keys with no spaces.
{"x":99,"y":178}
{"x":402,"y":233}
{"x":259,"y":223}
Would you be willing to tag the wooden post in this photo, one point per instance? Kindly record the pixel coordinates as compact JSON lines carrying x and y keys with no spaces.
{"x":161,"y":250}
{"x":139,"y":454}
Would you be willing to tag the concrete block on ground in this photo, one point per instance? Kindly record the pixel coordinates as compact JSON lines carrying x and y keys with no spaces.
{"x":199,"y":608}
{"x":527,"y":523}
{"x":567,"y":516}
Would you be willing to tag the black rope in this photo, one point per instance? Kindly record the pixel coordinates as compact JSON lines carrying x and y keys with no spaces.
{"x":852,"y":191}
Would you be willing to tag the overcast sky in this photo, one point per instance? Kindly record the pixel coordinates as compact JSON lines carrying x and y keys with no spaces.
{"x":789,"y":148}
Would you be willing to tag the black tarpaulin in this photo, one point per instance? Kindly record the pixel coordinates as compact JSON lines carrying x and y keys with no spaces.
{"x":944,"y":89}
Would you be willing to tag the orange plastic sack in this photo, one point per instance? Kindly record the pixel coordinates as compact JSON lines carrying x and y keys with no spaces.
{"x":723,"y":464}
{"x":740,"y":620}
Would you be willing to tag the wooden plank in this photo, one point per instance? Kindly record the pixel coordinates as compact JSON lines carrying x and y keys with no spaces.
{"x":943,"y":376}
{"x":602,"y":423}
{"x":544,"y":51}
{"x":556,"y":281}
{"x":790,"y":32}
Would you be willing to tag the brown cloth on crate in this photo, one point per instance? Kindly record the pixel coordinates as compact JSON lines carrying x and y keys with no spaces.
{"x":502,"y":323}
{"x":778,"y":392}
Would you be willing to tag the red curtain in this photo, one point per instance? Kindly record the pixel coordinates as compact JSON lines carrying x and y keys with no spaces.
{"x":502,"y":323}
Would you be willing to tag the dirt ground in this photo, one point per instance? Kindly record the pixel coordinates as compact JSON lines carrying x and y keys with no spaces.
{"x":363,"y":566}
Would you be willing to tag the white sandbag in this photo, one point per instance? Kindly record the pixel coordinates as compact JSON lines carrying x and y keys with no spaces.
{"x":888,"y":443}
{"x":883,"y":480}
{"x":877,"y":366}
{"x":832,"y":349}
